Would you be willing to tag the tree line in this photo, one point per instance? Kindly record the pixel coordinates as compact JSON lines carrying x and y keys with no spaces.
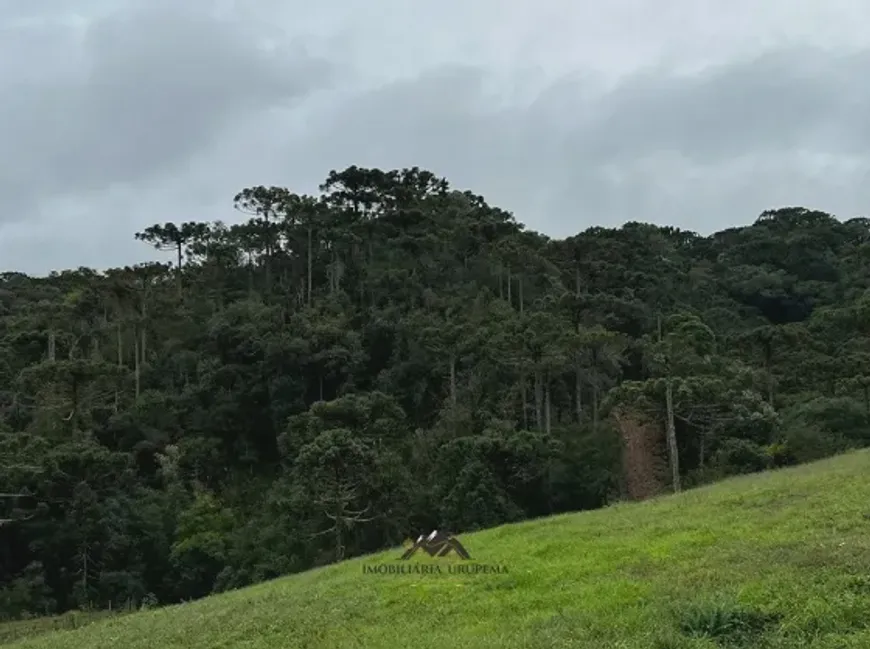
{"x":343,"y":371}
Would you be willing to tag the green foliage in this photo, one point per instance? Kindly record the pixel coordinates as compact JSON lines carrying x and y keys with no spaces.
{"x":772,"y":561}
{"x":343,"y":371}
{"x":823,"y":426}
{"x":726,"y":624}
{"x":201,"y":545}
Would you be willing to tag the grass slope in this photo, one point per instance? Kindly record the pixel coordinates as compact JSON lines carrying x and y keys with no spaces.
{"x":772,"y":560}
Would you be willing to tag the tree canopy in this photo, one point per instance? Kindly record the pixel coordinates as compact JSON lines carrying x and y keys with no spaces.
{"x":343,"y":371}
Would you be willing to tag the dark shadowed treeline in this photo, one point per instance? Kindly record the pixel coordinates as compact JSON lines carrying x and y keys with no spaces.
{"x":343,"y":371}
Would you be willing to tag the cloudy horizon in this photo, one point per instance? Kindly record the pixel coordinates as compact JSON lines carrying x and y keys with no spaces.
{"x":568,"y":114}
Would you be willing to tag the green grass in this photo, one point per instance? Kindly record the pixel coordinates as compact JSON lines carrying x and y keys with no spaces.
{"x":10,"y":631}
{"x":772,"y":560}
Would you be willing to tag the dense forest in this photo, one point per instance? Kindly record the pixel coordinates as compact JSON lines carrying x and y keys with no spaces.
{"x":391,"y":356}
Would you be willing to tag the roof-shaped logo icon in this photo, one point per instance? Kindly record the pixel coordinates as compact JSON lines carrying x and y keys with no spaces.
{"x":437,"y":544}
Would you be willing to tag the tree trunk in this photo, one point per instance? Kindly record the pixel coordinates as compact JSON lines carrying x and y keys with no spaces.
{"x":333,"y":284}
{"x":339,"y":515}
{"x":136,"y":364}
{"x":251,"y":273}
{"x":595,"y":396}
{"x":539,"y":401}
{"x":509,"y":287}
{"x":369,"y":284}
{"x":547,"y":407}
{"x":578,"y":392}
{"x":75,"y":397}
{"x":143,"y":330}
{"x":267,"y":258}
{"x":85,"y":572}
{"x":339,"y":546}
{"x":453,"y":379}
{"x":310,"y":264}
{"x":522,"y":305}
{"x":178,"y":245}
{"x":525,"y":400}
{"x":671,"y":434}
{"x":120,"y":344}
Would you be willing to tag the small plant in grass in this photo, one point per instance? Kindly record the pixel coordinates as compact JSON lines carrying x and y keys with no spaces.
{"x":728,"y":625}
{"x":860,"y":585}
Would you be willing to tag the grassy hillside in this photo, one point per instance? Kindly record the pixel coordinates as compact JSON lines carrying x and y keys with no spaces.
{"x":780,"y":559}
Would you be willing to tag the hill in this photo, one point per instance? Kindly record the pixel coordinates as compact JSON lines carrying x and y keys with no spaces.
{"x":774,"y":560}
{"x":335,"y":373}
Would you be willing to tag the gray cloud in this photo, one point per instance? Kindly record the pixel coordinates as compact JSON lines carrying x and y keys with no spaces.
{"x":137,"y":116}
{"x":702,"y":151}
{"x":149,"y":89}
{"x":775,"y":102}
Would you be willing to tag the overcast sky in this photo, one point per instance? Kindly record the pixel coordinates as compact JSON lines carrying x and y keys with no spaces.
{"x":116,"y":114}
